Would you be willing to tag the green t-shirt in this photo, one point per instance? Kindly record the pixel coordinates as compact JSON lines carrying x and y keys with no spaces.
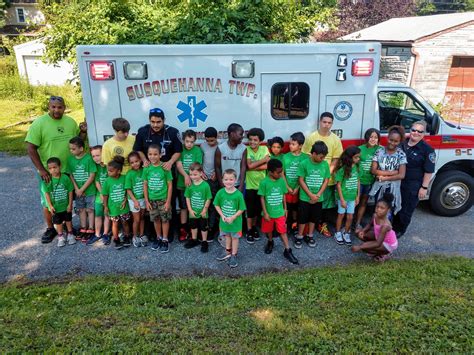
{"x":365,"y":164}
{"x":188,"y":156}
{"x":274,"y":192}
{"x":277,"y":157}
{"x":291,"y":164}
{"x":115,"y":189}
{"x":157,"y":179}
{"x":348,"y":186}
{"x":134,"y":182}
{"x":59,"y":189}
{"x":198,"y":195}
{"x":81,"y":169}
{"x":314,"y":175}
{"x":230,"y":203}
{"x":100,"y":177}
{"x":52,"y":137}
{"x":254,"y":177}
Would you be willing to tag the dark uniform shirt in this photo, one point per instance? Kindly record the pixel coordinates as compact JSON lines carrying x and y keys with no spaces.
{"x":168,"y":138}
{"x":421,"y":159}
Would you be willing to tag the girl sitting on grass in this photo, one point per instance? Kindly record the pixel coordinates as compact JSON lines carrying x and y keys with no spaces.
{"x":379,"y":239}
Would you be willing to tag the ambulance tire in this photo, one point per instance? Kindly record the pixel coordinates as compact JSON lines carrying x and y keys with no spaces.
{"x":452,"y":193}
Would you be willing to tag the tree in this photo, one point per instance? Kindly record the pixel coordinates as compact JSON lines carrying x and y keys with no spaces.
{"x":428,"y":7}
{"x":3,"y":6}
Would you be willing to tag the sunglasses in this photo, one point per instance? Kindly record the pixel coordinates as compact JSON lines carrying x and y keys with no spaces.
{"x":418,"y":131}
{"x":56,"y":98}
{"x":156,"y":110}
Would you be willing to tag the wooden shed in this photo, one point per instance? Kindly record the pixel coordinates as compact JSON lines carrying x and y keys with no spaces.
{"x":433,"y":54}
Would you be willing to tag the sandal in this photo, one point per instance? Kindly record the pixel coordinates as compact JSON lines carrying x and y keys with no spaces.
{"x":81,"y":233}
{"x":382,"y":258}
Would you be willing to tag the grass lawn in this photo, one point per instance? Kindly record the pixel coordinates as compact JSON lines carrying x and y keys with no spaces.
{"x":400,"y":306}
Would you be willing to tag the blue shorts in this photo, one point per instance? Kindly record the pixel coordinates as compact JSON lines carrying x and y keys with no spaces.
{"x":349,"y":209}
{"x":365,"y":189}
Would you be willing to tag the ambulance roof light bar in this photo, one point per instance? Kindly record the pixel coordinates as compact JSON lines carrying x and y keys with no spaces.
{"x":102,"y":70}
{"x":362,"y":67}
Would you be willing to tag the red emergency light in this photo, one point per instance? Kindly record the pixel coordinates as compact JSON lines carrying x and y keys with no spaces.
{"x":102,"y":70}
{"x":362,"y":67}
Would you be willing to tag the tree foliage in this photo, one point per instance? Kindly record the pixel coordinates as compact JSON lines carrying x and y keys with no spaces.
{"x":178,"y":21}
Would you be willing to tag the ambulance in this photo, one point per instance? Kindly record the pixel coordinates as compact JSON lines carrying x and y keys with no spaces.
{"x":281,"y":88}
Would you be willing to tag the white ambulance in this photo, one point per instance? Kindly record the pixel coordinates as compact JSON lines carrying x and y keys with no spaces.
{"x":282,"y":88}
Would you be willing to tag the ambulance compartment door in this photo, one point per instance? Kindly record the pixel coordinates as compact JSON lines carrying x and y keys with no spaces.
{"x":290,"y":103}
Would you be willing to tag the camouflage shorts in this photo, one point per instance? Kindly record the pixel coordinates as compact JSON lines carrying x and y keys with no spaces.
{"x":158,"y":211}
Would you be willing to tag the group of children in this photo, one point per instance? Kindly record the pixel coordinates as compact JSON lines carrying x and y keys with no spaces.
{"x":283,"y":192}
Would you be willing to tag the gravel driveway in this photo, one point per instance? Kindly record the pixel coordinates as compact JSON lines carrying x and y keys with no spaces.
{"x":22,"y":256}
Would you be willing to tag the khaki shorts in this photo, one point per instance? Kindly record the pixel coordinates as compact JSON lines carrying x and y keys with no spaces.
{"x":158,"y":211}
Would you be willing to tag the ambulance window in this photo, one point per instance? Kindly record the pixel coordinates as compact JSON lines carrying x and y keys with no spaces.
{"x":290,"y":101}
{"x":399,"y":108}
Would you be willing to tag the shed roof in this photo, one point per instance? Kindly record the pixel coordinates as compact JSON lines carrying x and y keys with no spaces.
{"x":410,"y":29}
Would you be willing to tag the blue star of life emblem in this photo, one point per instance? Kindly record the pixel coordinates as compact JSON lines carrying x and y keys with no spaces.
{"x":192,"y":111}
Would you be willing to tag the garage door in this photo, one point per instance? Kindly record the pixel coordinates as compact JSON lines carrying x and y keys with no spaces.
{"x":460,"y":91}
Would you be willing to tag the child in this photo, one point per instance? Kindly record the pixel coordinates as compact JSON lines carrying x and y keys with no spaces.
{"x":230,"y":206}
{"x":136,"y":199}
{"x":115,"y":201}
{"x":158,"y":189}
{"x":313,"y":178}
{"x":209,"y":148}
{"x":272,"y":191}
{"x":379,"y":239}
{"x":256,"y":161}
{"x":291,"y":163}
{"x":120,"y":144}
{"x":190,"y":154}
{"x":367,"y":151}
{"x":101,"y":175}
{"x":58,"y":194}
{"x":276,"y":148}
{"x":198,"y":198}
{"x":82,"y":170}
{"x":347,"y":184}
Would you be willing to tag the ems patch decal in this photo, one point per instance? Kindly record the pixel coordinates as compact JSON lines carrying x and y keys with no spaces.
{"x":192,"y":111}
{"x":432,"y":157}
{"x":343,"y":110}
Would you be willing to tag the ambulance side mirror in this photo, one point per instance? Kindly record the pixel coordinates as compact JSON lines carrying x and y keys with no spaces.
{"x":433,"y":122}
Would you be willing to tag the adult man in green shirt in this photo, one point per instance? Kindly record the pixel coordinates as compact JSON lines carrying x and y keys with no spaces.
{"x":48,"y":136}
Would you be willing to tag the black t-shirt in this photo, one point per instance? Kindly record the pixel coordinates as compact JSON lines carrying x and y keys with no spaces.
{"x":168,"y":138}
{"x":421,"y":159}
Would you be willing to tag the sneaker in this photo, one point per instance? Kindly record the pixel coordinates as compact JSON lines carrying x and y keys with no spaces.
{"x":144,"y":240}
{"x":233,"y":261}
{"x":224,"y":256}
{"x":269,"y":247}
{"x":71,"y":239}
{"x":105,"y":239}
{"x":118,"y":244}
{"x":191,"y":243}
{"x":338,"y":238}
{"x":204,"y":246}
{"x":156,"y":244}
{"x":347,"y":238}
{"x":221,"y":240}
{"x":250,"y":238}
{"x":324,"y":230}
{"x":127,"y":241}
{"x":92,"y":240}
{"x":288,"y":254}
{"x":61,"y":240}
{"x":183,"y":235}
{"x":136,"y":241}
{"x":48,"y":235}
{"x":256,"y":234}
{"x":298,"y":243}
{"x":310,"y":241}
{"x":210,"y":236}
{"x":164,"y":248}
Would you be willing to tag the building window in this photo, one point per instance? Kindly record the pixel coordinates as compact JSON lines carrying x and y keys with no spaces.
{"x":20,"y":15}
{"x":290,"y":101}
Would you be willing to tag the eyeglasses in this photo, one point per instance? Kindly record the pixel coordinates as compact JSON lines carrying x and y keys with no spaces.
{"x":418,"y":131}
{"x":156,"y":110}
{"x":56,"y":98}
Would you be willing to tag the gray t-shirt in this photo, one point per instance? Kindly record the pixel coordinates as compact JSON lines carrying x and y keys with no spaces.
{"x":208,"y":154}
{"x":231,"y":158}
{"x":390,"y":162}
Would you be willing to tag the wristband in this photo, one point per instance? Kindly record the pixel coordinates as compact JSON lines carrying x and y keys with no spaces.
{"x":424,"y":187}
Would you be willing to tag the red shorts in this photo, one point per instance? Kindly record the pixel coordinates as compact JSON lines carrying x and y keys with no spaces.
{"x":289,"y":198}
{"x":280,"y":223}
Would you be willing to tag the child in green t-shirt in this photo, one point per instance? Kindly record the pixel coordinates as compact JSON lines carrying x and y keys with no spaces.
{"x":100,"y":218}
{"x":82,"y":170}
{"x":230,"y":206}
{"x":58,"y":194}
{"x":190,"y":154}
{"x":256,"y":160}
{"x":157,"y":188}
{"x":313,"y":178}
{"x":198,"y":198}
{"x":348,"y":187}
{"x":272,"y":192}
{"x":136,"y":199}
{"x":275,"y":145}
{"x":115,"y":201}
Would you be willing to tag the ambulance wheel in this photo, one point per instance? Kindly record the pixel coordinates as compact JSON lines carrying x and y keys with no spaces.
{"x":452,"y":193}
